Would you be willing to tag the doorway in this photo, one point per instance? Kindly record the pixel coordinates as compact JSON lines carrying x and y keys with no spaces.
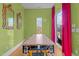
{"x":39,"y":24}
{"x":58,"y":30}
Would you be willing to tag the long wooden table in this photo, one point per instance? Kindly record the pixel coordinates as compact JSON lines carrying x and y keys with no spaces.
{"x":38,"y":39}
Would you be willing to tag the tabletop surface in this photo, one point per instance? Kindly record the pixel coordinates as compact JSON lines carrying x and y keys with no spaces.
{"x":36,"y":39}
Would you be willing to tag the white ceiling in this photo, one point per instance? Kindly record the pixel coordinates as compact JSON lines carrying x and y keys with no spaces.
{"x":37,"y":5}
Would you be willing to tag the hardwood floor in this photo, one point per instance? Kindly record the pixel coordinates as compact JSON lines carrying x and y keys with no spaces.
{"x":17,"y":52}
{"x":57,"y":50}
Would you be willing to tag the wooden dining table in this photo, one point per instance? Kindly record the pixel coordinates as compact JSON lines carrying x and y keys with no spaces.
{"x":38,"y":39}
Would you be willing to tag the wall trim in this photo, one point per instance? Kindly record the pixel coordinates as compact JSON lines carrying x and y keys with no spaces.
{"x":9,"y":52}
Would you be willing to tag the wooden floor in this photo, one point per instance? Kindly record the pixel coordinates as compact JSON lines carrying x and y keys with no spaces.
{"x":57,"y":49}
{"x":17,"y":52}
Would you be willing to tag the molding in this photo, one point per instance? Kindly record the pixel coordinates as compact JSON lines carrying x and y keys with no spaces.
{"x":9,"y":52}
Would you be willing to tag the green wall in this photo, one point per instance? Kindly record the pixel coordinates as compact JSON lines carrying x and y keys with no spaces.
{"x":30,"y":16}
{"x":58,"y":7}
{"x":10,"y":38}
{"x":75,"y":35}
{"x":18,"y":33}
{"x":4,"y":45}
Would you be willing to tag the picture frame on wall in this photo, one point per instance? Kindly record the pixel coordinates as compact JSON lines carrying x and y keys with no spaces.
{"x":19,"y":20}
{"x":7,"y":16}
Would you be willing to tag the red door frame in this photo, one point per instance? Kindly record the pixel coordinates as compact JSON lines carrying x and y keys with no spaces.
{"x":66,"y":29}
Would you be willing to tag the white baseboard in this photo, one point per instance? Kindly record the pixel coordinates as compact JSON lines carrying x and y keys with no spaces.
{"x":8,"y":53}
